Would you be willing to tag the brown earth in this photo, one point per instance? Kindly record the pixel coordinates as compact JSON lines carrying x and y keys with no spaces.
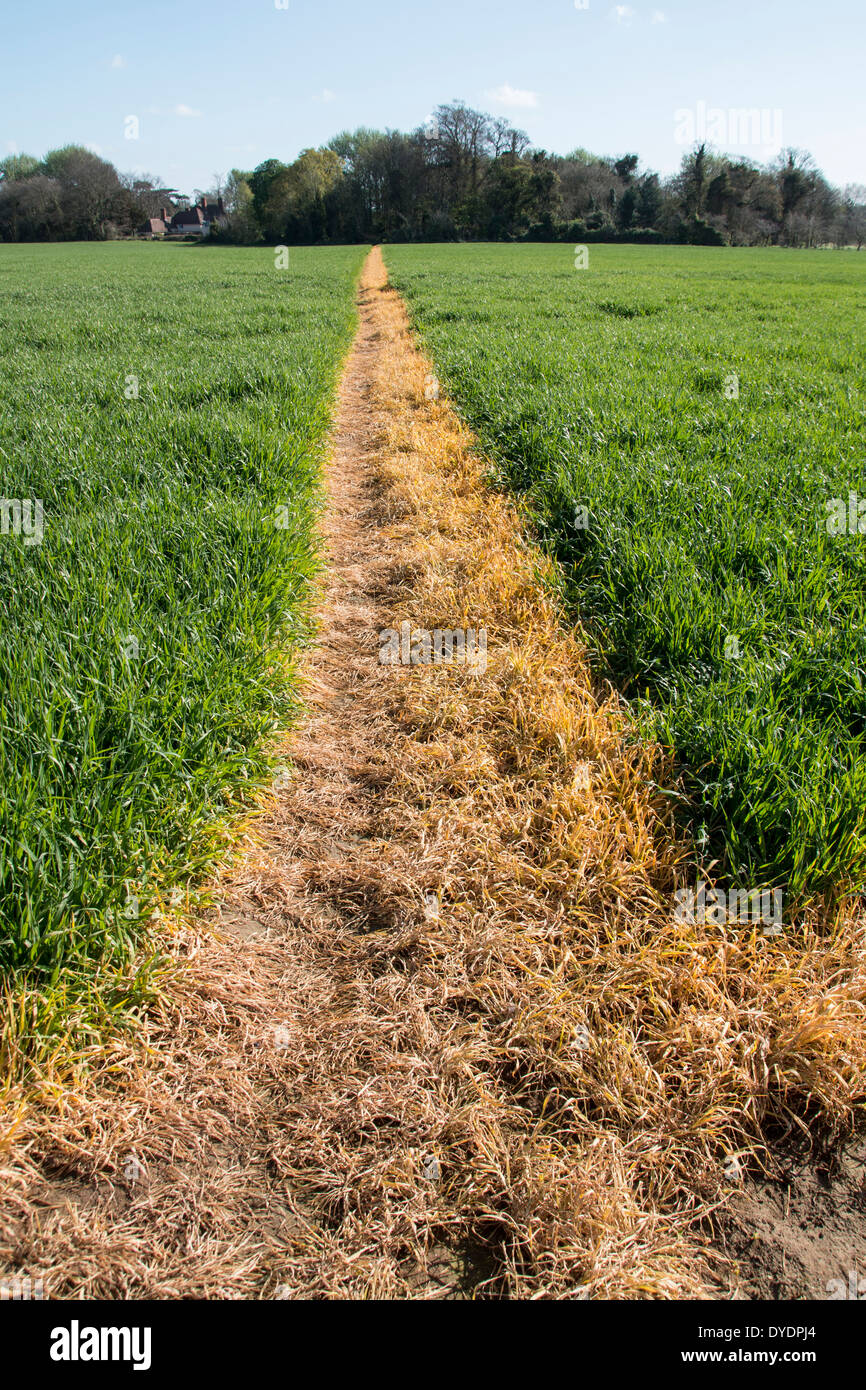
{"x":801,"y":1233}
{"x":443,"y":1037}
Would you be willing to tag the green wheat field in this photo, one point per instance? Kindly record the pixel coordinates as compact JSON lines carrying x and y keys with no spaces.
{"x":168,"y":408}
{"x":686,"y":429}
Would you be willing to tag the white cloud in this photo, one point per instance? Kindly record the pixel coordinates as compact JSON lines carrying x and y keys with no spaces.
{"x":512,"y":97}
{"x":623,"y":14}
{"x":181,"y":110}
{"x":118,"y":61}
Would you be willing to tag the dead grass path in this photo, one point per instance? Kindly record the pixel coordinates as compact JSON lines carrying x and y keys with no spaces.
{"x":446,"y":1038}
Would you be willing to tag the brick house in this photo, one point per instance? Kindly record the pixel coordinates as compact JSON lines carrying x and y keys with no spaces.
{"x":154,"y":226}
{"x":199,"y":219}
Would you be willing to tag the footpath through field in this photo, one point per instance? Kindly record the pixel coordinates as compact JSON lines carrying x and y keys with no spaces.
{"x":446,"y":1037}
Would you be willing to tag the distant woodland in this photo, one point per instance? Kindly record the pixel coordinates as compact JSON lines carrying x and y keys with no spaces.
{"x":463,"y":176}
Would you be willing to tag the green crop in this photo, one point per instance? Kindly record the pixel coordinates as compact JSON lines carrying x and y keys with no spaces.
{"x":167,"y":405}
{"x":678,"y":423}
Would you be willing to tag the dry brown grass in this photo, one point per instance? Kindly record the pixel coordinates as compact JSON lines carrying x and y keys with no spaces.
{"x":504,"y":1067}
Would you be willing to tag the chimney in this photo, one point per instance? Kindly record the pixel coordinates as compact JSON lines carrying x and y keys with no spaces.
{"x":163,"y":212}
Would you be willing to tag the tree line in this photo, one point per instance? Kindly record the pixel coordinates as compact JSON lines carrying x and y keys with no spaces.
{"x":465,"y":175}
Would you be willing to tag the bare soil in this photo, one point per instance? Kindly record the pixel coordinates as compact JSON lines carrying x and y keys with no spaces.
{"x":800,"y":1234}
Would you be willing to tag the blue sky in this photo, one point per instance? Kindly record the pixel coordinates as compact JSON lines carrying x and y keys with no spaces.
{"x":222,"y":83}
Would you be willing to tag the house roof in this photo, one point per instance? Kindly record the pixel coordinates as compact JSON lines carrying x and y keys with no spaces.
{"x":198,"y":215}
{"x":153,"y":224}
{"x":191,"y":217}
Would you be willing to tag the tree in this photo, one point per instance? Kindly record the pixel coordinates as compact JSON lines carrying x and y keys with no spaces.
{"x":504,"y":139}
{"x":91,"y":191}
{"x":463,"y":139}
{"x":795,"y":172}
{"x":626,"y":167}
{"x":148,"y":196}
{"x":696,"y":172}
{"x":626,"y":209}
{"x":260,"y":181}
{"x":590,"y":188}
{"x":648,"y":209}
{"x":30,"y":209}
{"x":852,"y":216}
{"x":242,"y":226}
{"x":508,"y":202}
{"x":295,"y":206}
{"x":810,"y":207}
{"x":17,"y":166}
